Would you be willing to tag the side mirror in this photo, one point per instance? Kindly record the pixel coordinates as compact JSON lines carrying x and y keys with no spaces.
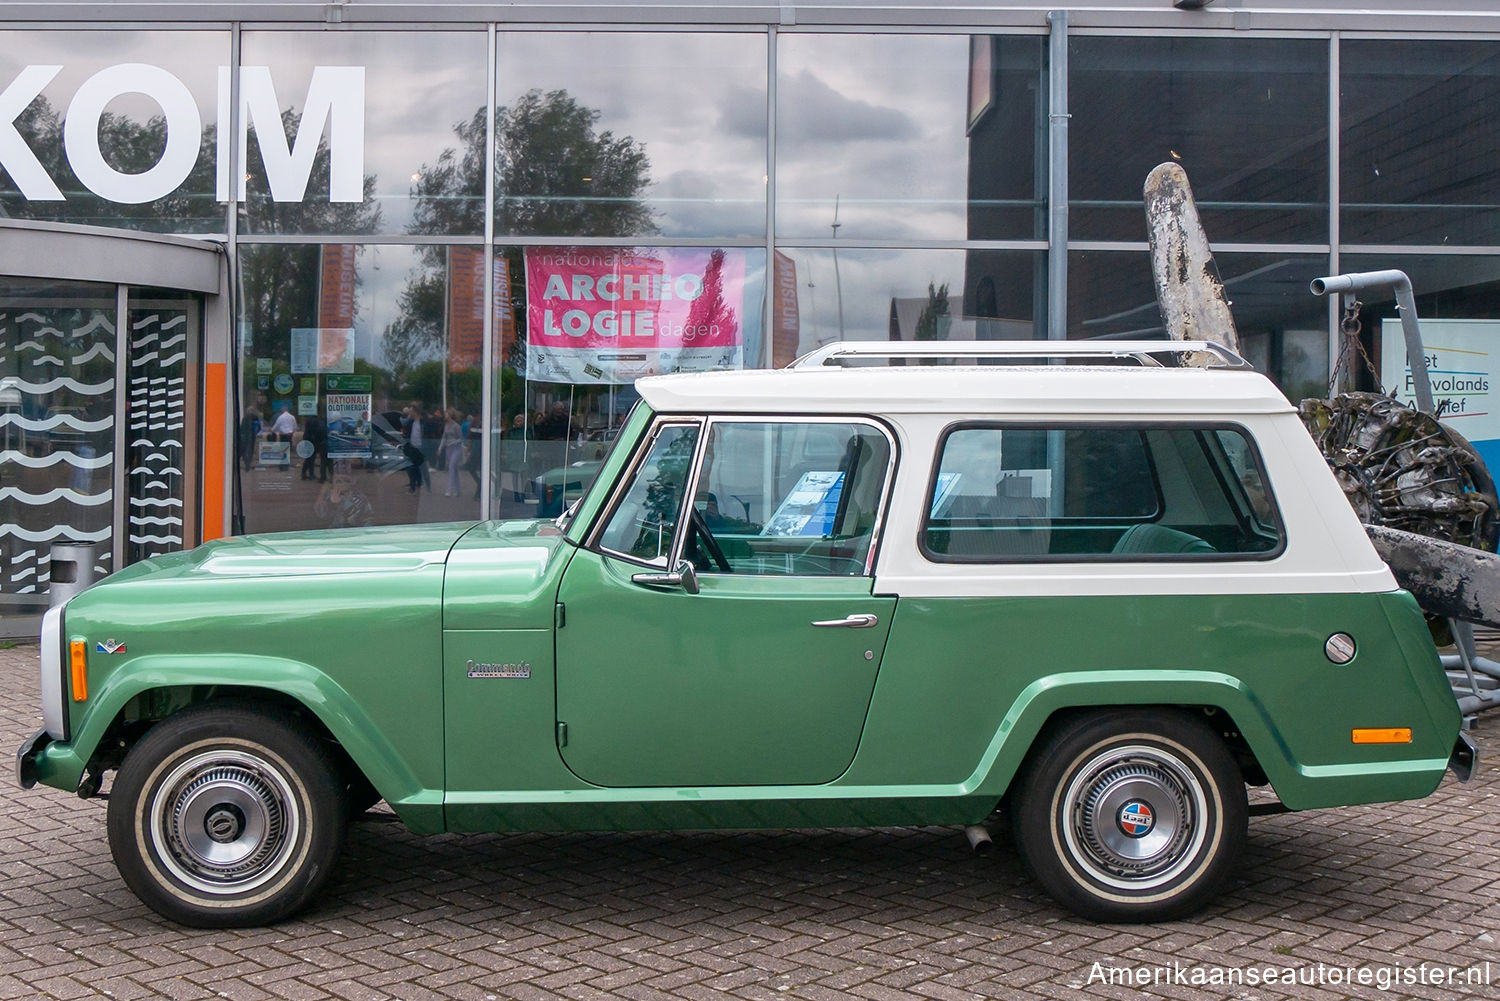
{"x":684,"y":577}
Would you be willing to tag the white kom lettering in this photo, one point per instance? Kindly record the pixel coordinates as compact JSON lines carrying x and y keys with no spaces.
{"x":335,"y":104}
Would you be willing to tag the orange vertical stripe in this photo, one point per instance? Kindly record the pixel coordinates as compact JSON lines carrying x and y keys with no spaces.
{"x":215,"y":434}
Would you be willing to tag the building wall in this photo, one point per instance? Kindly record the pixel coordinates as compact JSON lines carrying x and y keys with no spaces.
{"x":513,"y":211}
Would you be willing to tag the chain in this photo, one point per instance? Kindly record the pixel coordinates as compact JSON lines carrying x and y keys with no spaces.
{"x":1350,"y":343}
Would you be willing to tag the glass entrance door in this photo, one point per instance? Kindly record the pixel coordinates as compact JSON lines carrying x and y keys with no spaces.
{"x":98,"y":429}
{"x":58,"y":397}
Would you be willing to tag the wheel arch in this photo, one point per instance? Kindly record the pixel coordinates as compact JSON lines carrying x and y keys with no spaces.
{"x":1225,"y":702}
{"x":150,"y":689}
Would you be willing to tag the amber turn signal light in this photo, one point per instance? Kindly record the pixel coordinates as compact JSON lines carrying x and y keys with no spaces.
{"x":78,"y":661}
{"x":1383,"y":735}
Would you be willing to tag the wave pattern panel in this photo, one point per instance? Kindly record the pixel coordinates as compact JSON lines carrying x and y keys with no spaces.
{"x":156,"y":430}
{"x":57,"y":425}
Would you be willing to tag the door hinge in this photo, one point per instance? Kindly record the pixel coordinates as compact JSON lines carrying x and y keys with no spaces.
{"x":562,"y":735}
{"x":562,"y":615}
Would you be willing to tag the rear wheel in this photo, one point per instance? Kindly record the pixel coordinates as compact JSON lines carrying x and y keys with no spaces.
{"x":226,"y":817}
{"x":1135,"y":815}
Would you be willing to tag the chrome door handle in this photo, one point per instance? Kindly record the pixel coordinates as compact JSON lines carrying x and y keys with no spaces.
{"x":860,"y":620}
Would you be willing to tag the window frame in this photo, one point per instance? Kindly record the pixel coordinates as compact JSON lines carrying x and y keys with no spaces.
{"x":621,"y":488}
{"x":705,"y":424}
{"x":1199,"y":427}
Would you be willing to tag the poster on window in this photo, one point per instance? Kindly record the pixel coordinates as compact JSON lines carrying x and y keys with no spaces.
{"x":348,"y":425}
{"x":322,"y":349}
{"x":597,"y":315}
{"x":1463,"y":360}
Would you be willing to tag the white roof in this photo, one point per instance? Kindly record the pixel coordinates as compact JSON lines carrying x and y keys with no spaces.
{"x":991,"y":389}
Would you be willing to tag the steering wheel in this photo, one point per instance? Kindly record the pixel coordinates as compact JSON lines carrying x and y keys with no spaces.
{"x":711,"y":544}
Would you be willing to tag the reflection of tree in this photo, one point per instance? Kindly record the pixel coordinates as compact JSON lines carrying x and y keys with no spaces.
{"x":279,"y":285}
{"x":936,"y":306}
{"x":314,"y":213}
{"x":670,"y":462}
{"x":133,"y":147}
{"x":710,"y":310}
{"x":557,"y":175}
{"x":130,"y":147}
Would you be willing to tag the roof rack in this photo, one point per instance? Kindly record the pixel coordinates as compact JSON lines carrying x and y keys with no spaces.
{"x":1193,"y":354}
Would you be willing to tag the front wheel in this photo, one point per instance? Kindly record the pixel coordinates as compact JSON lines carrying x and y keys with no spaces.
{"x":226,"y":817}
{"x":1135,"y":815}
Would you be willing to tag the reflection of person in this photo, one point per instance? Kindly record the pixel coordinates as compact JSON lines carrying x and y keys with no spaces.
{"x":341,"y":505}
{"x":473,"y":442}
{"x":432,"y":435}
{"x":249,"y":431}
{"x":554,"y":427}
{"x":411,"y":448}
{"x":515,"y":466}
{"x":451,"y":446}
{"x":282,"y":429}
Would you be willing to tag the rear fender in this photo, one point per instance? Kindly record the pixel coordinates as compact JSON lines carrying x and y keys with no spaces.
{"x":1300,"y":786}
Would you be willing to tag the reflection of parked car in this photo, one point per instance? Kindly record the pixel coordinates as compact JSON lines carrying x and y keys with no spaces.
{"x":386,"y":441}
{"x":557,"y":488}
{"x":1109,"y":598}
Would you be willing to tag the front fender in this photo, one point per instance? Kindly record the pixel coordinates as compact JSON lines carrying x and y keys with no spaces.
{"x":1300,"y":785}
{"x":62,"y":765}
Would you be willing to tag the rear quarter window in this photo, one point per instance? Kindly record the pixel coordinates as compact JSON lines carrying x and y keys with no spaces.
{"x":1118,"y":492}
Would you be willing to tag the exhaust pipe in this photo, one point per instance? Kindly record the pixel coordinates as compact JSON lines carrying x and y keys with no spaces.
{"x":979,"y":839}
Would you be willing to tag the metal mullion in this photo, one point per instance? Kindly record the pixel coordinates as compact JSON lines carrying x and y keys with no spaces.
{"x":192,"y":426}
{"x":768,"y":310}
{"x":1335,"y":234}
{"x":1123,"y":31}
{"x":972,"y":24}
{"x":487,"y":350}
{"x":823,"y":243}
{"x":1218,"y":248}
{"x":1057,"y":176}
{"x":364,"y":239}
{"x":675,"y":27}
{"x":560,"y":239}
{"x":122,"y":400}
{"x":234,"y":379}
{"x":1432,"y":250}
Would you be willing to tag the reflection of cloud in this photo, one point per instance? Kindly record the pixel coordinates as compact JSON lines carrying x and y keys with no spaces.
{"x":635,"y":80}
{"x":868,"y":280}
{"x":417,"y":85}
{"x":742,"y":112}
{"x":695,"y":201}
{"x":813,"y":112}
{"x":908,"y":92}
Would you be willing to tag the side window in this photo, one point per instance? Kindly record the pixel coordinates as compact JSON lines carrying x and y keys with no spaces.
{"x":1098,"y":492}
{"x":644,"y":524}
{"x":788,"y":498}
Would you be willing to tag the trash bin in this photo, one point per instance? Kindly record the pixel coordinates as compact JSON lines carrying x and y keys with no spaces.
{"x":73,"y":569}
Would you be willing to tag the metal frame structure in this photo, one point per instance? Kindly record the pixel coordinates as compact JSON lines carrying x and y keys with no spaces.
{"x":1475,"y":680}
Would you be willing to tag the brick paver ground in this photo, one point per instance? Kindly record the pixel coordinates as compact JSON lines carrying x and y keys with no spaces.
{"x":1407,"y":890}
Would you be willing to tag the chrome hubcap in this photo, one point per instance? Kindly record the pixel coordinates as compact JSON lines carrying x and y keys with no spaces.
{"x":226,"y":820}
{"x":1134,"y":816}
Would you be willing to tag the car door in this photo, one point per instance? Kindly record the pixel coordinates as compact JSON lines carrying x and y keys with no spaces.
{"x":726,"y":634}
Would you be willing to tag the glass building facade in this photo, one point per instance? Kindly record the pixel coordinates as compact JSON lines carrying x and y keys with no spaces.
{"x":455,"y":235}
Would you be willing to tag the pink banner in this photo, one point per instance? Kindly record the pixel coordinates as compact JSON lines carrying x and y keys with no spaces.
{"x":602,"y":315}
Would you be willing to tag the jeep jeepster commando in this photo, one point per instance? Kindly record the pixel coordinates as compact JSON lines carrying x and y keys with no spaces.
{"x":1100,"y":591}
